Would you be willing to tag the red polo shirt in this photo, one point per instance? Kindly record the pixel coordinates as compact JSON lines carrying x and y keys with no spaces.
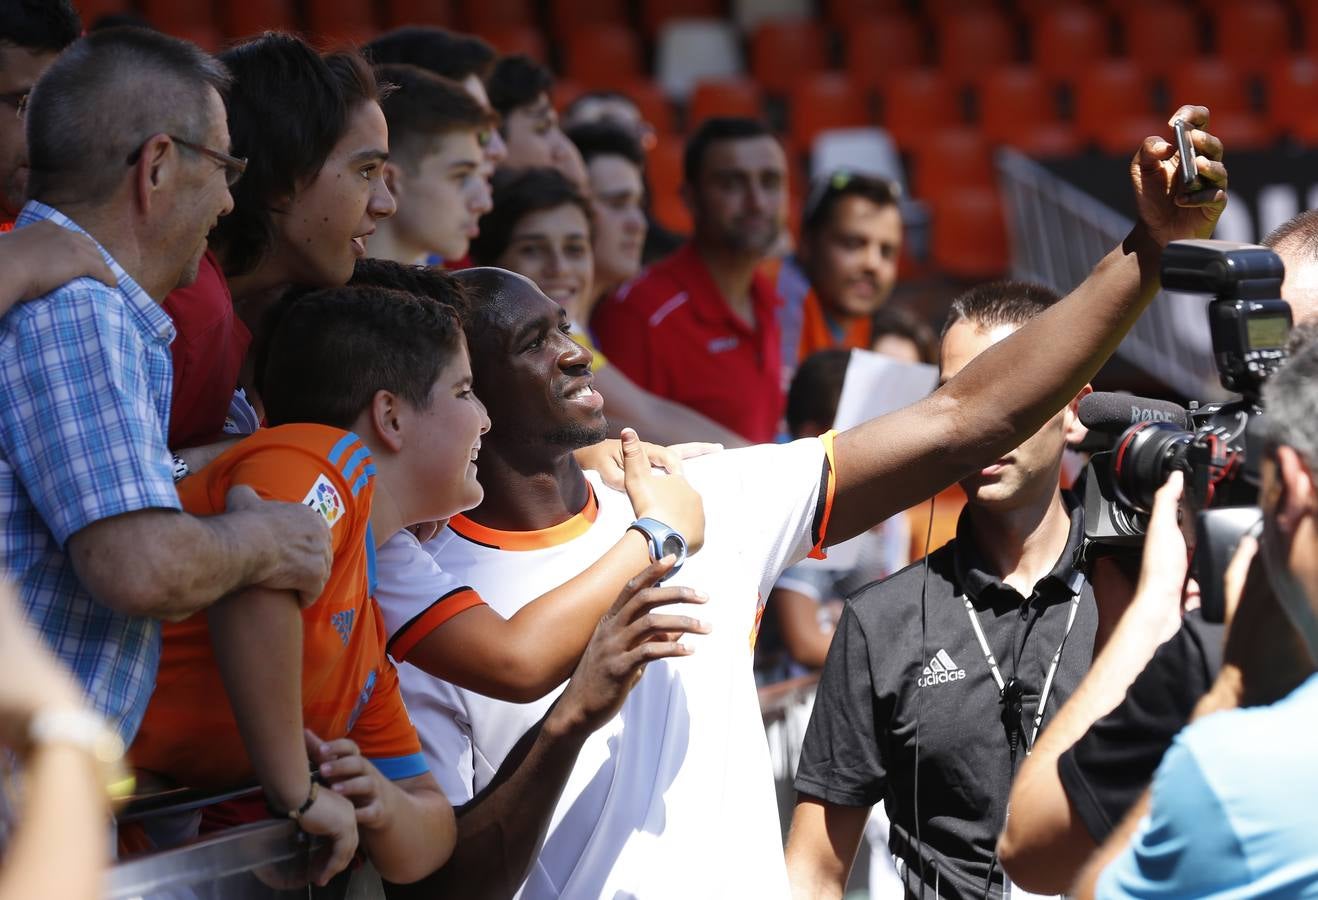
{"x":671,"y":332}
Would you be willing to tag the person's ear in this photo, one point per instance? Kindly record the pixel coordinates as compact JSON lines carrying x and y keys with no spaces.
{"x":156,"y":165}
{"x":1076,"y":432}
{"x":389,"y":419}
{"x":1298,"y":497}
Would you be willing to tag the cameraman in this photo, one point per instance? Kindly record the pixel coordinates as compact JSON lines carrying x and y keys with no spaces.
{"x":1098,"y":757}
{"x":1220,"y":815}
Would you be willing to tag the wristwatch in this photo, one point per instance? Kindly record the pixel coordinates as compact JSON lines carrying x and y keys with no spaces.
{"x":89,"y":733}
{"x":663,"y":541}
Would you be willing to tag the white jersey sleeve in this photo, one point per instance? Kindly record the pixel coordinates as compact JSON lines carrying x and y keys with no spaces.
{"x":415,"y":595}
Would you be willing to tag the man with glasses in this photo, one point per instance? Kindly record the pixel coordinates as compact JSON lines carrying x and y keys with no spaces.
{"x":128,"y":140}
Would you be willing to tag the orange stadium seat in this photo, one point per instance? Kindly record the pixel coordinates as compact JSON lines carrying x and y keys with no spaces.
{"x":173,"y":15}
{"x":517,"y":39}
{"x":847,"y":14}
{"x":1109,"y":91}
{"x":969,"y":233}
{"x":564,"y":92}
{"x":1013,"y":99}
{"x":652,"y":102}
{"x":340,"y":21}
{"x":418,"y":12}
{"x":663,"y":168}
{"x":254,"y":16}
{"x":567,"y":15}
{"x":1067,"y":40}
{"x":1159,"y":37}
{"x":824,"y":101}
{"x":1209,"y":81}
{"x":972,"y":41}
{"x":724,"y":97}
{"x":91,"y":10}
{"x":782,"y":51}
{"x":599,"y":56}
{"x":880,"y":44}
{"x":654,"y":13}
{"x":1252,"y":35}
{"x":951,"y":160}
{"x":917,"y":102}
{"x":1293,"y":96}
{"x":207,"y":37}
{"x":493,"y":16}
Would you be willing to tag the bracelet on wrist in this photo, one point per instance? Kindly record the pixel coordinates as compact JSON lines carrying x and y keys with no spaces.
{"x":296,"y":814}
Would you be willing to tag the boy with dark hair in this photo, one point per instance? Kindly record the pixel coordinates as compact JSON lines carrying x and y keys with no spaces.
{"x":519,"y":90}
{"x":615,"y":175}
{"x":435,"y":167}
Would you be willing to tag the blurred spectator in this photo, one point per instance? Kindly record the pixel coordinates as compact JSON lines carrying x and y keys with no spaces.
{"x":700,"y":327}
{"x":463,"y":58}
{"x":1230,"y":809}
{"x":898,"y":333}
{"x":541,"y":227}
{"x":845,"y":267}
{"x":519,"y":91}
{"x":435,"y":167}
{"x":303,"y":212}
{"x":1010,"y":633}
{"x":72,"y":763}
{"x":615,"y":174}
{"x":32,"y":33}
{"x":91,"y":530}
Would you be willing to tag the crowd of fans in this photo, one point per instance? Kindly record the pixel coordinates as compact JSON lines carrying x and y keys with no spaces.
{"x":308,"y":482}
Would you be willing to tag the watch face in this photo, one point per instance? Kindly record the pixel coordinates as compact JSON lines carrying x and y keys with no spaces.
{"x":674,"y":544}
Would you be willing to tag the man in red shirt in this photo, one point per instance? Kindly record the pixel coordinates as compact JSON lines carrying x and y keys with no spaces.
{"x":700,"y":327}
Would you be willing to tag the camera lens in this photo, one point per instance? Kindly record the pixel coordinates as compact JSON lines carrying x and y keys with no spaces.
{"x":1145,"y":456}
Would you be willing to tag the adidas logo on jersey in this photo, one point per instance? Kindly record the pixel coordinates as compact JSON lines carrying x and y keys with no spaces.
{"x":941,"y":670}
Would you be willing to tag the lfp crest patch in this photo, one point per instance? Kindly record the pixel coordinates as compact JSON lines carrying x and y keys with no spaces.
{"x":324,"y":499}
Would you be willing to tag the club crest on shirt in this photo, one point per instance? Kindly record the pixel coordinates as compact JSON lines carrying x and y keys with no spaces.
{"x":324,"y":499}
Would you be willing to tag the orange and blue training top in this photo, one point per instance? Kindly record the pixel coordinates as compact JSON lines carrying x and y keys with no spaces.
{"x":349,"y":686}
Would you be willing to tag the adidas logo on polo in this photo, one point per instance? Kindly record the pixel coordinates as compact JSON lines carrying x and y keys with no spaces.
{"x":941,"y":670}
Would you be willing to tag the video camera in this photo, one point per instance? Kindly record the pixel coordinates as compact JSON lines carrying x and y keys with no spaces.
{"x":1218,"y":446}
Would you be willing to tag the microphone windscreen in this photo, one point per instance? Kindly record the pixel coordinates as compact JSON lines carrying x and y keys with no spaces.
{"x":1114,"y":413}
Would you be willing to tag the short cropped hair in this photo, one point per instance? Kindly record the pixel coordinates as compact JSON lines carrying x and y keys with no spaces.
{"x":423,"y":281}
{"x":1296,"y":237}
{"x":902,"y":323}
{"x":49,"y":25}
{"x":517,"y":194}
{"x":288,"y":107}
{"x":1000,"y":303}
{"x":715,"y":131}
{"x":517,"y":81}
{"x":445,"y":53}
{"x":816,"y":389}
{"x":1291,"y":399}
{"x":605,"y":138}
{"x":102,"y":98}
{"x":423,"y":106}
{"x":329,"y":351}
{"x":827,"y":191}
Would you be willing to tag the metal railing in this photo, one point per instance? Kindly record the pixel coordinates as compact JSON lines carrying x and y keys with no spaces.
{"x":1059,"y":233}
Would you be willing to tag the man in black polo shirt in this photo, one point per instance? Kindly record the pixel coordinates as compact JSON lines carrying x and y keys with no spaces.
{"x":949,"y":672}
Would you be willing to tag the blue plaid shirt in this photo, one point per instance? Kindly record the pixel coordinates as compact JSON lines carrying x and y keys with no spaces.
{"x":85,"y":381}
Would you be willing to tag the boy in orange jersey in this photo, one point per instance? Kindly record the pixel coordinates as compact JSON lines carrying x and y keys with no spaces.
{"x":393,"y":369}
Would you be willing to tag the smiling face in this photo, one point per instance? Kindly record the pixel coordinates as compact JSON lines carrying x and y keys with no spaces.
{"x":533,"y":377}
{"x":552,"y":248}
{"x":616,"y":195}
{"x":442,"y":196}
{"x":323,"y":227}
{"x":444,"y":443}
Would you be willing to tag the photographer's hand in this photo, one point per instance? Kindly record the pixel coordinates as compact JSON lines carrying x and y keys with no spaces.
{"x":1166,"y":211}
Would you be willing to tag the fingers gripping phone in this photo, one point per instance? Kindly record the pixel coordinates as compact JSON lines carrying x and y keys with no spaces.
{"x":1185,"y":147}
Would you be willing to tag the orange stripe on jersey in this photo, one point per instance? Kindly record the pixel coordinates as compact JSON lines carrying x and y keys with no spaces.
{"x":436,"y":614}
{"x":821,"y":532}
{"x":561,"y":533}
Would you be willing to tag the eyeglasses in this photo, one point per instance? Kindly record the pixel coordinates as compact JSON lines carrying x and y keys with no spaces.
{"x":234,"y":166}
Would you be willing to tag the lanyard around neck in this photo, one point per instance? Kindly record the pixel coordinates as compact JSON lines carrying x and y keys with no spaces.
{"x":1052,"y":667}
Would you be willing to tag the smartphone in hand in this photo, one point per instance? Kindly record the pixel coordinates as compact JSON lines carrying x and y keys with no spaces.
{"x":1185,"y":147}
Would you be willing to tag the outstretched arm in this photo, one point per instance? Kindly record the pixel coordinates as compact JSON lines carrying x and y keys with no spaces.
{"x":1010,"y":390}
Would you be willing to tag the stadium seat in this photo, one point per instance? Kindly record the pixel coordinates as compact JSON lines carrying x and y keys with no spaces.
{"x":750,"y":14}
{"x":172,"y":15}
{"x":652,"y":103}
{"x":564,"y":92}
{"x":207,"y":37}
{"x":1209,"y":81}
{"x":340,"y":21}
{"x":871,"y":151}
{"x":517,"y":39}
{"x":880,"y":44}
{"x":91,"y":10}
{"x":1068,"y":40}
{"x":657,"y":13}
{"x":1292,"y":86}
{"x":599,"y":56}
{"x":724,"y":97}
{"x":567,"y":15}
{"x":254,"y":16}
{"x":1243,"y":130}
{"x":663,"y":168}
{"x":691,"y":50}
{"x":917,"y":102}
{"x":1123,"y":136}
{"x":847,"y":14}
{"x":784,"y":51}
{"x":1013,"y":99}
{"x":1107,"y":92}
{"x":415,"y":12}
{"x":496,"y":16}
{"x":823,"y":101}
{"x":951,"y":160}
{"x":973,"y":40}
{"x":1158,"y":37}
{"x":1252,"y":35}
{"x":970,"y":234}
